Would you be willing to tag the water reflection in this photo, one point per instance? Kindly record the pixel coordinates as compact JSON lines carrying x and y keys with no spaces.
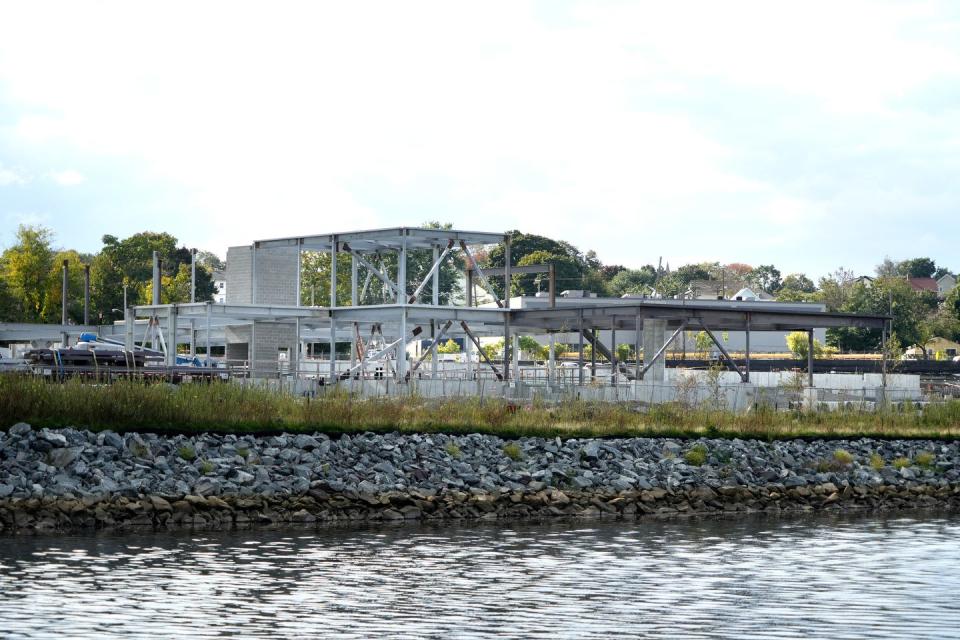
{"x":832,"y":577}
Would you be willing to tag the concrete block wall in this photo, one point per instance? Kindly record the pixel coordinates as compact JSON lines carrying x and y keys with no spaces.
{"x":238,"y":341}
{"x":268,"y":339}
{"x":238,"y":274}
{"x":276,"y":281}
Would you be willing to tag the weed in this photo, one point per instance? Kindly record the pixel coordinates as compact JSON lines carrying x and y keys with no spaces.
{"x":900,"y":463}
{"x":186,"y":452}
{"x":696,"y":456}
{"x":924,"y":459}
{"x":453,"y":450}
{"x":843,"y":457}
{"x":207,"y":467}
{"x":243,"y":452}
{"x":512,"y":451}
{"x":877,"y":462}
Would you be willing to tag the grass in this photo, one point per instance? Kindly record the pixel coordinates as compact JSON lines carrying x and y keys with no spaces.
{"x":186,"y":452}
{"x":843,"y":457}
{"x":453,"y":450}
{"x":900,"y":463}
{"x":877,"y":462}
{"x":207,"y":467}
{"x":243,"y":452}
{"x":924,"y":459}
{"x":512,"y":450}
{"x":233,"y":408}
{"x":696,"y":456}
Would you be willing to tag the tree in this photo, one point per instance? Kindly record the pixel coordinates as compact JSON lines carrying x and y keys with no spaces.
{"x":523,"y":244}
{"x":565,"y":269}
{"x":532,"y":347}
{"x":26,"y":269}
{"x":798,"y":344}
{"x":624,"y":352}
{"x":940,"y":272}
{"x":738,"y":269}
{"x":449,"y":347}
{"x":888,"y":295}
{"x":888,"y":268}
{"x":952,"y":303}
{"x":799,"y":282}
{"x":633,"y":281}
{"x":766,"y":277}
{"x":917,"y":268}
{"x":835,"y":288}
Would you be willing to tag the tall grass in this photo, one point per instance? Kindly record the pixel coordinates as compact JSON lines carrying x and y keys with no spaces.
{"x":226,"y":407}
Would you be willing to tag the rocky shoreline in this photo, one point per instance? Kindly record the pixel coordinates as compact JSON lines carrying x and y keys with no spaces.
{"x":69,"y":479}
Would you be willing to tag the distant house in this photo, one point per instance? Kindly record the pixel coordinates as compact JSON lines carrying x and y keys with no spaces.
{"x":219,"y":287}
{"x":948,"y":348}
{"x":866,"y":281}
{"x":945,"y":284}
{"x":722,"y":290}
{"x":924,"y":284}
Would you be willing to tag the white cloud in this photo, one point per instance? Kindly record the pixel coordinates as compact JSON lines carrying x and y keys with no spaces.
{"x":9,"y":177}
{"x":68,"y":178}
{"x":560,"y":124}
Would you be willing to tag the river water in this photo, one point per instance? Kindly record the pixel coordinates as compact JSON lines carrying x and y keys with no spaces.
{"x":829,"y":577}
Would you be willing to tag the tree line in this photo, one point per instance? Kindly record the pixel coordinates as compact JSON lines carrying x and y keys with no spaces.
{"x":31,"y":276}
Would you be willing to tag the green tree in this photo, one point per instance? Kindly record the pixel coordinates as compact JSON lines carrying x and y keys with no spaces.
{"x":449,"y":347}
{"x":766,"y":277}
{"x":836,"y":288}
{"x":798,"y":344}
{"x":26,"y":269}
{"x":624,"y":352}
{"x":633,"y":281}
{"x":917,"y":268}
{"x":888,"y":295}
{"x":523,"y":244}
{"x":565,"y":269}
{"x":534,"y":348}
{"x":799,"y":282}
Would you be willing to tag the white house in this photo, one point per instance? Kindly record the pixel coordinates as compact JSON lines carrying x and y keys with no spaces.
{"x":945,"y":284}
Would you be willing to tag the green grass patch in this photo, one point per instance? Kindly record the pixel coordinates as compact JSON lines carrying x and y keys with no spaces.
{"x":924,"y":459}
{"x":877,"y":462}
{"x":900,"y":463}
{"x":512,"y":450}
{"x":843,"y":457}
{"x":453,"y":450}
{"x":206,"y":467}
{"x":126,"y":406}
{"x":696,"y":456}
{"x":186,"y":452}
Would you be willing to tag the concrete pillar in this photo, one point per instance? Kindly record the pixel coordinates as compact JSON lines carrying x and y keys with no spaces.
{"x":172,"y":337}
{"x":654,"y":335}
{"x":64,"y":338}
{"x":333,"y":349}
{"x":333,"y":273}
{"x":552,"y":360}
{"x":516,"y":358}
{"x":402,"y":347}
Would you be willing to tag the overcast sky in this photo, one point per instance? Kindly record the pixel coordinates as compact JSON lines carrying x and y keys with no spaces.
{"x":808,"y":135}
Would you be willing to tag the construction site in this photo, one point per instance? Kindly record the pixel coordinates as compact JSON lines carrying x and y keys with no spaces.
{"x":386,"y":338}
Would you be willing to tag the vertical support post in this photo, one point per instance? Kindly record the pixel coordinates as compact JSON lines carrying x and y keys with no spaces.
{"x":156,"y":279}
{"x":580,"y":350}
{"x":402,"y":345}
{"x":883,"y":356}
{"x":354,"y":301}
{"x":253,"y":275}
{"x":436,"y":278}
{"x":299,"y":279}
{"x":516,"y":357}
{"x":193,"y":339}
{"x":333,"y":273}
{"x":613,"y":350}
{"x":402,"y":272}
{"x":747,"y":350}
{"x":506,"y":306}
{"x":193,"y":279}
{"x":469,"y":300}
{"x":593,"y":354}
{"x":172,"y":336}
{"x":434,"y":365}
{"x":810,"y":358}
{"x":65,"y":338}
{"x":86,"y":294}
{"x":208,"y":333}
{"x":636,"y":347}
{"x":552,"y":285}
{"x":333,"y":348}
{"x":552,"y":360}
{"x":295,"y":353}
{"x":129,"y":320}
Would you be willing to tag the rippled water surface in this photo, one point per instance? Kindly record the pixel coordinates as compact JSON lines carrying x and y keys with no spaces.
{"x":776,"y":578}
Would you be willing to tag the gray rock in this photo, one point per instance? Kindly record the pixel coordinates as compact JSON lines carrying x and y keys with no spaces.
{"x":53,"y":437}
{"x":19,"y":429}
{"x":61,"y":458}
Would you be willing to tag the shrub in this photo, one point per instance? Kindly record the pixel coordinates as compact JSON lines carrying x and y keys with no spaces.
{"x":512,"y":451}
{"x":453,"y":450}
{"x":877,"y":462}
{"x":186,"y":452}
{"x":901,"y":462}
{"x":696,"y":456}
{"x":924,"y":459}
{"x":207,"y":467}
{"x":243,"y":452}
{"x":842,"y":457}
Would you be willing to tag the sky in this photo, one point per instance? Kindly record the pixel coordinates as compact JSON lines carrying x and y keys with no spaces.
{"x":807,"y":135}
